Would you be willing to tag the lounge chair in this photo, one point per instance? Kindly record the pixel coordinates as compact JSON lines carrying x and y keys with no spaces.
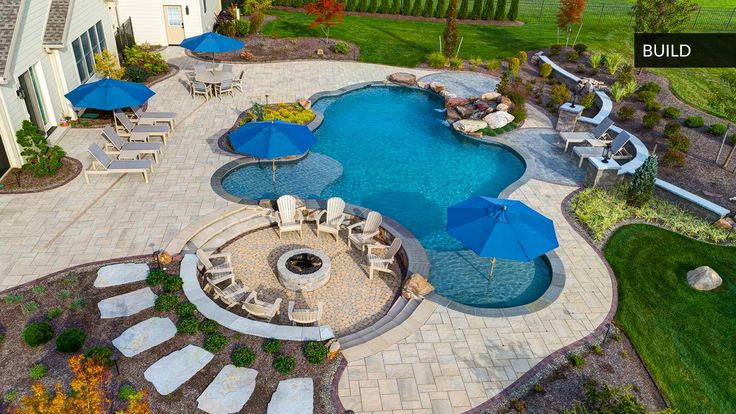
{"x":581,"y":137}
{"x":155,"y":117}
{"x":206,"y":261}
{"x":129,"y":150}
{"x":305,"y":316}
{"x":231,"y":295}
{"x":225,"y":86}
{"x":288,"y":217}
{"x":259,"y":309}
{"x":369,"y":229}
{"x":103,"y":165}
{"x":141,"y":132}
{"x":617,"y":149}
{"x":382,"y":263}
{"x":334,"y":219}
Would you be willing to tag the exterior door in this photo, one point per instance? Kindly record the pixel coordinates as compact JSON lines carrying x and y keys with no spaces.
{"x":4,"y":163}
{"x":31,"y":89}
{"x":174,"y":24}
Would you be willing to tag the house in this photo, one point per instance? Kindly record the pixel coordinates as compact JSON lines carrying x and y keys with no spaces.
{"x":46,"y":49}
{"x":165,"y":22}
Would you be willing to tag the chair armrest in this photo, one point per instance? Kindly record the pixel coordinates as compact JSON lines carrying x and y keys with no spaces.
{"x":276,"y":306}
{"x":320,"y":310}
{"x":389,"y":261}
{"x":369,"y":235}
{"x":290,"y":308}
{"x":250,"y":297}
{"x":375,"y":246}
{"x":220,"y":256}
{"x":319,"y":215}
{"x":277,"y":214}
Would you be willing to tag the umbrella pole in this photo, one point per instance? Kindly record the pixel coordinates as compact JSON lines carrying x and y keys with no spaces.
{"x":493,"y":265}
{"x":273,"y":171}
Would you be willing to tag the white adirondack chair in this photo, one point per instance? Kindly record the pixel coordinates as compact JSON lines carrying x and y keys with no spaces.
{"x":382,"y":263}
{"x":231,"y":295}
{"x":335,"y":217}
{"x":259,"y":309}
{"x":206,"y":261}
{"x":288,"y":218}
{"x":305,"y":316}
{"x":369,"y":229}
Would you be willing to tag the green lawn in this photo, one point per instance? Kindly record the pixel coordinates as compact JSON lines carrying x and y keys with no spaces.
{"x":686,"y":338}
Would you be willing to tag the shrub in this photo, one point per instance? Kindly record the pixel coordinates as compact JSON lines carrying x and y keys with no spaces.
{"x":588,"y":100}
{"x":673,"y":158}
{"x":70,"y":340}
{"x":342,"y":48}
{"x":241,"y":27}
{"x":100,"y":354}
{"x":13,"y":299}
{"x":156,"y":277}
{"x":514,"y":65}
{"x":153,"y":62}
{"x":127,"y":392}
{"x":493,"y":64}
{"x":35,"y":334}
{"x":256,"y":21}
{"x":651,"y":119}
{"x":651,"y":106}
{"x":642,"y":183}
{"x":596,"y":59}
{"x":694,"y":122}
{"x":545,"y":70}
{"x":522,"y":57}
{"x":679,"y":142}
{"x":315,"y":352}
{"x":77,"y":305}
{"x":38,"y":371}
{"x":626,"y":74}
{"x":272,"y":346}
{"x":597,"y":349}
{"x":555,"y":49}
{"x":224,"y":23}
{"x":30,"y":307}
{"x":614,"y":61}
{"x":519,"y":113}
{"x":284,"y":364}
{"x":166,"y":302}
{"x":717,"y":129}
{"x":647,"y":96}
{"x":173,"y":283}
{"x":208,"y":326}
{"x":456,"y":63}
{"x":215,"y":342}
{"x":651,"y":87}
{"x":436,"y":60}
{"x":626,"y":112}
{"x":671,"y":112}
{"x":186,"y":309}
{"x":39,"y":157}
{"x":242,"y":356}
{"x":671,"y":129}
{"x":187,"y":326}
{"x":53,"y":313}
{"x":580,"y":47}
{"x":576,"y":360}
{"x":287,"y":112}
{"x":559,"y":94}
{"x":573,"y":56}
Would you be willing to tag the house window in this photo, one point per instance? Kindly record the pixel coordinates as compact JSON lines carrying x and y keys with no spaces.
{"x":85,"y":46}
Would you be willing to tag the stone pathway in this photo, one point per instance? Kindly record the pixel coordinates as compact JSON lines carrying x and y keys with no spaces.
{"x":293,"y":396}
{"x":170,"y":372}
{"x":144,"y":336}
{"x":121,"y":274}
{"x":229,"y":391}
{"x":127,"y":304}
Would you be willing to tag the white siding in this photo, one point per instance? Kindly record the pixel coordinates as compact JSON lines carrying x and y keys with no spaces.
{"x":149,"y":26}
{"x":208,"y":19}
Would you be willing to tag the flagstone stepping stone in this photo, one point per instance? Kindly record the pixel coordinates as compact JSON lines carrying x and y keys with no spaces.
{"x":170,"y":372}
{"x":293,"y":396}
{"x":127,"y":304}
{"x":229,"y":391}
{"x":120,"y":274}
{"x":144,"y":335}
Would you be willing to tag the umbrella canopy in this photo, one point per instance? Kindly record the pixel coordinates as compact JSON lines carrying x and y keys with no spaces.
{"x":272,"y":139}
{"x":109,"y":94}
{"x":211,"y":42}
{"x":497,"y":228}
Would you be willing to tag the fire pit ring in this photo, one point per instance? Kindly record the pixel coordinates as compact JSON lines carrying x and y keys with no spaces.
{"x":303,"y":270}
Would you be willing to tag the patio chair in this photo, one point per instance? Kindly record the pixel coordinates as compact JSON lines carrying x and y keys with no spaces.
{"x":103,"y":165}
{"x":206,"y":261}
{"x":581,"y":137}
{"x":382,"y":263}
{"x":225,"y":86}
{"x":334,"y":219}
{"x":305,"y":316}
{"x":369,"y":229}
{"x":141,"y":132}
{"x":228,"y":68}
{"x":617,"y":149}
{"x":129,"y":150}
{"x":288,"y":217}
{"x":155,"y":117}
{"x":260,"y":309}
{"x":231,"y":295}
{"x":199,"y":88}
{"x":238,"y":82}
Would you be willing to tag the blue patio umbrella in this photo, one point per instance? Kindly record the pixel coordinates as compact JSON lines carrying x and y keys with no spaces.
{"x":272,"y":139}
{"x":498,"y":228}
{"x":109,"y":94}
{"x":211,"y":42}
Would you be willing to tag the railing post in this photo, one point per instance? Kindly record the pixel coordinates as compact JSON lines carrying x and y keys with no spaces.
{"x":730,"y":18}
{"x":697,"y":15}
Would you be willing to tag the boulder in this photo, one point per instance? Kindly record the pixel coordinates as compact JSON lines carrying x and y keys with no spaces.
{"x":403,"y":78}
{"x":469,"y":125}
{"x":724,"y":223}
{"x":144,"y":336}
{"x":170,"y":372}
{"x":704,"y":278}
{"x":447,"y":95}
{"x":305,"y":103}
{"x":504,"y":100}
{"x":502,"y":107}
{"x":477,"y":115}
{"x":293,"y":396}
{"x":465,"y":111}
{"x":423,"y":85}
{"x":490,"y":96}
{"x":481,"y":105}
{"x":437,"y":87}
{"x":120,"y":274}
{"x":229,"y":391}
{"x":498,"y":119}
{"x":416,"y":285}
{"x":127,"y":304}
{"x":453,"y":102}
{"x":452,"y":114}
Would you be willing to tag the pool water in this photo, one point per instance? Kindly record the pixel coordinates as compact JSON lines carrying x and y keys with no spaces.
{"x":389,"y":149}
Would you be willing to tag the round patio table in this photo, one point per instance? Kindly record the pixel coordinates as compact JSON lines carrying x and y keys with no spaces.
{"x":210,"y":77}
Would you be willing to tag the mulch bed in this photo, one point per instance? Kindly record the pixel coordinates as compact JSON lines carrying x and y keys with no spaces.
{"x":618,"y":365}
{"x":16,"y":357}
{"x":70,"y":169}
{"x":270,"y":49}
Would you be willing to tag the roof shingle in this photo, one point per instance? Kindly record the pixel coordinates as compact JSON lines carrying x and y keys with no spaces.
{"x":8,"y":18}
{"x":56,"y":23}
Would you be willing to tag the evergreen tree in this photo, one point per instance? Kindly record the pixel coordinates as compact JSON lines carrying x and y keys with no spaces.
{"x":449,"y":35}
{"x":373,"y":7}
{"x":513,"y":10}
{"x":477,"y":13}
{"x":462,"y":12}
{"x":385,"y":6}
{"x":441,"y":10}
{"x":362,"y":5}
{"x":428,"y":10}
{"x":396,"y":7}
{"x":417,"y":9}
{"x":642,"y":183}
{"x":406,"y":7}
{"x":500,"y":10}
{"x":350,"y":5}
{"x":488,"y":10}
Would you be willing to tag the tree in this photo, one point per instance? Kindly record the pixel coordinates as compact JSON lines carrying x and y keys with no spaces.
{"x":724,"y":100}
{"x":488,"y":10}
{"x":449,"y":35}
{"x":327,"y":13}
{"x":428,"y":10}
{"x":513,"y":10}
{"x":500,"y":10}
{"x":350,"y":5}
{"x":462,"y":12}
{"x":642,"y":184}
{"x":373,"y":8}
{"x":441,"y":11}
{"x":662,"y":16}
{"x":40,"y":158}
{"x":406,"y":7}
{"x":477,"y":12}
{"x":385,"y":6}
{"x":362,"y":6}
{"x":569,"y":14}
{"x":395,"y":7}
{"x":417,"y":9}
{"x":107,"y":65}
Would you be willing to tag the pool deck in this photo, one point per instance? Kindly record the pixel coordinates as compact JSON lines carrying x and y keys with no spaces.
{"x":452,"y":363}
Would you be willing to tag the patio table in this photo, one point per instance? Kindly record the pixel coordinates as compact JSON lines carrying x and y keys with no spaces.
{"x":211,"y":78}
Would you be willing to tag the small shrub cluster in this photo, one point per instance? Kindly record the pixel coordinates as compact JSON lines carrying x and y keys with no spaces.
{"x":626,"y":112}
{"x":573,"y":56}
{"x":242,"y":356}
{"x":576,"y":360}
{"x":642,"y":183}
{"x":315,"y":352}
{"x":287,"y":112}
{"x":596,"y":59}
{"x":127,"y":392}
{"x":70,"y":340}
{"x":100,"y":354}
{"x":272,"y":346}
{"x":39,"y":157}
{"x":208,"y":326}
{"x":679,"y":142}
{"x":166,"y":302}
{"x":588,"y":100}
{"x":671,"y":112}
{"x":671,"y":129}
{"x":651,"y":119}
{"x":173,"y":283}
{"x":647,"y":96}
{"x":186,"y":309}
{"x":436,"y":60}
{"x":694,"y":122}
{"x":717,"y":129}
{"x":35,"y":334}
{"x":38,"y":371}
{"x":559,"y":95}
{"x":555,"y":49}
{"x":456,"y":63}
{"x":187,"y":326}
{"x":241,"y":27}
{"x":156,"y":277}
{"x":580,"y":48}
{"x":673,"y":159}
{"x":652,"y":106}
{"x":284,"y":364}
{"x":342,"y":48}
{"x":53,"y":313}
{"x":152,"y":62}
{"x":545,"y":70}
{"x":215,"y":342}
{"x":651,"y":87}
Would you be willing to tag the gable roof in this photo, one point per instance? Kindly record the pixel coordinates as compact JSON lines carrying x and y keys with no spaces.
{"x":9,"y":10}
{"x":56,"y":23}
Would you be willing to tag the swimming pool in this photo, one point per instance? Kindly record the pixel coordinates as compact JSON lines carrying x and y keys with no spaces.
{"x":389,"y":149}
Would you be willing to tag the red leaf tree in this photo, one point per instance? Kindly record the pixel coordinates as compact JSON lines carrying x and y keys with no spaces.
{"x":570,"y":13}
{"x":327,"y":13}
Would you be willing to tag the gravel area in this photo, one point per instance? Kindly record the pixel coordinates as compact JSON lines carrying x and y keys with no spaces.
{"x":269,"y":49}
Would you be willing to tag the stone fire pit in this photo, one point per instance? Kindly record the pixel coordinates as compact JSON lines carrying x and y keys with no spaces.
{"x":303,"y":270}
